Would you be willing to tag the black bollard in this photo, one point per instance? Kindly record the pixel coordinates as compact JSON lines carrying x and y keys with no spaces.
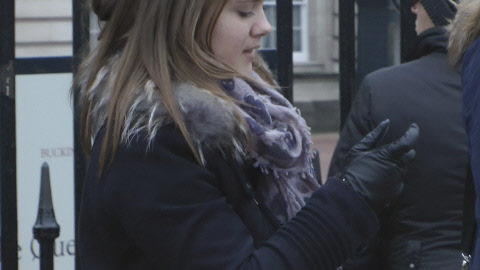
{"x":46,"y":228}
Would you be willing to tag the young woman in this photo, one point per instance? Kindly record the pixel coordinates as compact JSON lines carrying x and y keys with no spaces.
{"x":198,"y":163}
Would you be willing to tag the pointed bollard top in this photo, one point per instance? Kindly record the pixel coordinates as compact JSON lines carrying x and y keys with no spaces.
{"x":46,"y":226}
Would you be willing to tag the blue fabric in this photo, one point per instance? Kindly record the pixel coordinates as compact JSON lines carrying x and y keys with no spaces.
{"x":471,"y":118}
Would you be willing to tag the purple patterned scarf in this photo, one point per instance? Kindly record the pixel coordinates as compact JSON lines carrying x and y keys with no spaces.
{"x":281,"y":146}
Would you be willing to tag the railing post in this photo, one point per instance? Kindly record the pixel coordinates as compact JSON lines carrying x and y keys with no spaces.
{"x":408,"y":34}
{"x":285,"y":47}
{"x":8,"y":171}
{"x":373,"y":47}
{"x":81,"y":28}
{"x":46,"y":228}
{"x":347,"y":56}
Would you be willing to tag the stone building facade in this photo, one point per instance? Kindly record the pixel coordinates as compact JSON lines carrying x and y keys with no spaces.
{"x":44,"y":28}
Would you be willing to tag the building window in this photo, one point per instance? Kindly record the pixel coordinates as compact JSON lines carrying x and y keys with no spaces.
{"x":300,"y":29}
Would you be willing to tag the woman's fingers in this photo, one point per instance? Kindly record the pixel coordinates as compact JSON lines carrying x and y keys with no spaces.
{"x":400,"y":147}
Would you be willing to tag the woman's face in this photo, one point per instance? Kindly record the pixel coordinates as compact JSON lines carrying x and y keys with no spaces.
{"x":237,"y":34}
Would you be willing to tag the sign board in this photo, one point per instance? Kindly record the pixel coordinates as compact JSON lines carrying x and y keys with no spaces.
{"x":44,"y":133}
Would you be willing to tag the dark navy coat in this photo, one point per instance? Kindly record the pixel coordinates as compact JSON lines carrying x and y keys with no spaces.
{"x":471,"y":118}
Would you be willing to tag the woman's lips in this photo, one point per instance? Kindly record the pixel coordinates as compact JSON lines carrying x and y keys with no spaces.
{"x":249,"y":53}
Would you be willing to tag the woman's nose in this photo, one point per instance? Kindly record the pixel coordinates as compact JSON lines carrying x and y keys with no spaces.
{"x":261,"y":27}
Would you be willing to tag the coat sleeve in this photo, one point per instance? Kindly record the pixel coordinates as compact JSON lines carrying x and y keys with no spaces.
{"x":175,"y":214}
{"x":359,"y":122}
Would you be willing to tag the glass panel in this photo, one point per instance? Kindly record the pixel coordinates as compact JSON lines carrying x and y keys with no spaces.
{"x":43,"y":28}
{"x":273,"y":38}
{"x":296,"y":16}
{"x":270,"y":41}
{"x":271,"y":13}
{"x":297,"y":40}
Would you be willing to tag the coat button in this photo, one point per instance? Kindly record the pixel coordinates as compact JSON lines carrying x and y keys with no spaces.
{"x":412,"y":266}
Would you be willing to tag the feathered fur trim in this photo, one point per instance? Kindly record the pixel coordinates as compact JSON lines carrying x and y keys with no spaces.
{"x":210,"y":121}
{"x":464,"y":30}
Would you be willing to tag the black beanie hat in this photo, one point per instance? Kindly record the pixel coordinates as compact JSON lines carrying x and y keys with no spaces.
{"x":440,"y":11}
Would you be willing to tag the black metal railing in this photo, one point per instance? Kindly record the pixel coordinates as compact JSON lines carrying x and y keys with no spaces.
{"x":347,"y":56}
{"x":46,"y":228}
{"x":285,"y":47}
{"x":408,"y":34}
{"x":80,"y":42}
{"x":373,"y":20}
{"x":374,"y":49}
{"x":8,"y":174}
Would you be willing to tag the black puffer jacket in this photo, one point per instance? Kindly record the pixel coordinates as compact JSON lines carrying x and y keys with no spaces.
{"x":423,"y":229}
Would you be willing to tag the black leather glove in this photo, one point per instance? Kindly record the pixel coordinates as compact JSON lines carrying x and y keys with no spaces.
{"x":376,"y":172}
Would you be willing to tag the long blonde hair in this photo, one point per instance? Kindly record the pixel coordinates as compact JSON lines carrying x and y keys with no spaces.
{"x":161,"y":41}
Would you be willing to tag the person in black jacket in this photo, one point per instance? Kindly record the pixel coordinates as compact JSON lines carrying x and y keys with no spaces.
{"x":422,"y":230}
{"x":199,"y":163}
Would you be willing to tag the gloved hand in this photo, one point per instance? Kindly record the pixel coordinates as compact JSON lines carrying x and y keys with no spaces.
{"x":376,"y":172}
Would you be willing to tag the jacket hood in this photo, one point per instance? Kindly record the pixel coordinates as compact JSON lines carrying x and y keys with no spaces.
{"x":464,"y":30}
{"x":210,"y":120}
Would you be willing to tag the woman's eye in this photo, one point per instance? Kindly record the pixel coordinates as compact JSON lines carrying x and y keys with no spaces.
{"x":245,"y":14}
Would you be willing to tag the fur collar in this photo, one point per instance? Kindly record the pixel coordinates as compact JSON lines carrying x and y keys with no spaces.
{"x":464,"y":30}
{"x":210,"y":120}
